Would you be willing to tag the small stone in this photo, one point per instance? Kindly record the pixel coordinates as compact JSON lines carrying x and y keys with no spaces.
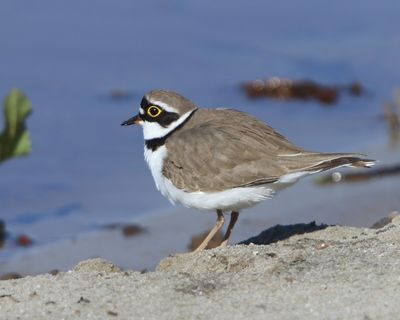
{"x":96,"y":265}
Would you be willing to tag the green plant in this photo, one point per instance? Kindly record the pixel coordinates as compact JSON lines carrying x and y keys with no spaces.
{"x":14,"y":140}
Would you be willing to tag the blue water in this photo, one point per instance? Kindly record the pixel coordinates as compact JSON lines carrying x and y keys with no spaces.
{"x":85,"y":170}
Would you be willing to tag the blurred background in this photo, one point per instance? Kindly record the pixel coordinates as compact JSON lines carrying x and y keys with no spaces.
{"x":325,"y":76}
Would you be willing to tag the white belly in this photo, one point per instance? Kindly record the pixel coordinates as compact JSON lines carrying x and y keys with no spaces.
{"x":229,"y":200}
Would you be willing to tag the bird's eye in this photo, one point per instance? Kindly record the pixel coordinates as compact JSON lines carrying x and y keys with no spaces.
{"x":154,"y":111}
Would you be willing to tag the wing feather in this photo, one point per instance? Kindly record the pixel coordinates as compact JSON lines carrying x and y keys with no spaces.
{"x":218,"y":149}
{"x":228,"y":149}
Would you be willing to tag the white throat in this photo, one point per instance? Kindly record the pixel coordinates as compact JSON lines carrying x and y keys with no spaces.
{"x":153,"y":130}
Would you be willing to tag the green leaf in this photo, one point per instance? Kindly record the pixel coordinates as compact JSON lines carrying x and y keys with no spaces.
{"x":14,"y":140}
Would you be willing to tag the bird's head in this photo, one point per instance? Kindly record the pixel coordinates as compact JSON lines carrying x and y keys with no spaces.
{"x":160,"y":112}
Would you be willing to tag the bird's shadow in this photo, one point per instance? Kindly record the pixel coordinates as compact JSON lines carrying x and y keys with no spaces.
{"x":280,"y":232}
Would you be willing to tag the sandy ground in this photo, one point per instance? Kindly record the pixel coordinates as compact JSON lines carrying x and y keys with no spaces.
{"x":333,"y":273}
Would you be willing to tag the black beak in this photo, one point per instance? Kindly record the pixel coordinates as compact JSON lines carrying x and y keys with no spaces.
{"x":134,"y":120}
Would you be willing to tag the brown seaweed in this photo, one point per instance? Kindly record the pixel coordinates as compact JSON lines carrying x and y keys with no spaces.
{"x":2,"y":233}
{"x":285,"y":89}
{"x":24,"y":240}
{"x":128,"y":230}
{"x":392,"y":117}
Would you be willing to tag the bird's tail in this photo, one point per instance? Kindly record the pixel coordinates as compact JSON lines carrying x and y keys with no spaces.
{"x":334,"y":160}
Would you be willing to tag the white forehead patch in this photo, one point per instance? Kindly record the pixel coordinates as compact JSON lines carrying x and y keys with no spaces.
{"x":141,"y":111}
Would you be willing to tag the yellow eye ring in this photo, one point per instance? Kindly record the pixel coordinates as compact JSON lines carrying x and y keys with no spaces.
{"x":154,"y":111}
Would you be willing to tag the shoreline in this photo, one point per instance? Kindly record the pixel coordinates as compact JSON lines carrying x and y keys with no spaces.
{"x":172,"y":232}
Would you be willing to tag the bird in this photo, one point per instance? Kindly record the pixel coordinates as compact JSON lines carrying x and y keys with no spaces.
{"x":221,"y":159}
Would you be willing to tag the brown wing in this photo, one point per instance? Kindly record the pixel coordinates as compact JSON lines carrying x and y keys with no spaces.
{"x":220,"y":149}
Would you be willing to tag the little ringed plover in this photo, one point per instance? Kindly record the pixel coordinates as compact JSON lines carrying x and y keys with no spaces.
{"x":222,"y":159}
